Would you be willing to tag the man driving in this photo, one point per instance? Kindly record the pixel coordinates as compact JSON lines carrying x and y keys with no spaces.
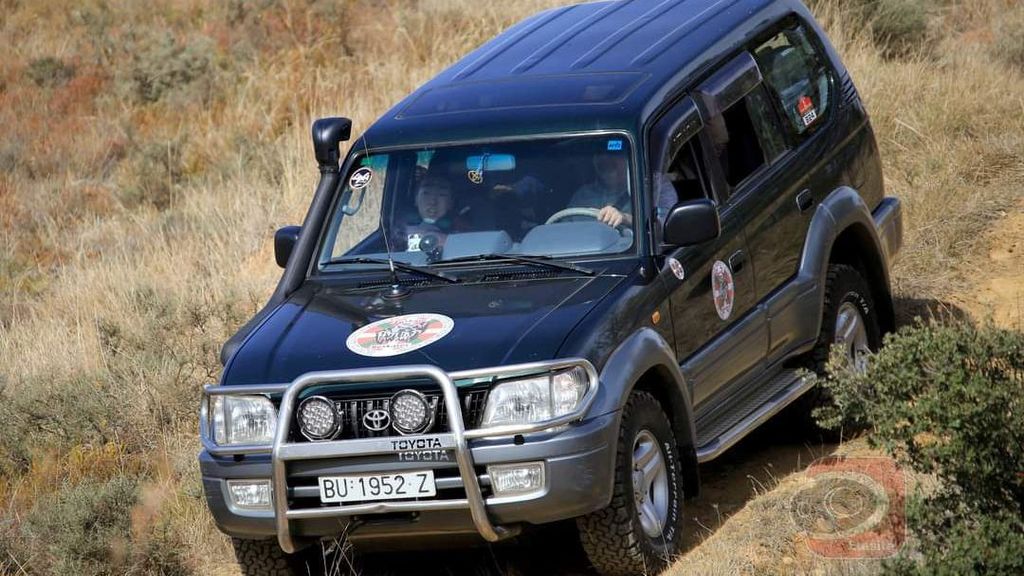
{"x":609,"y":192}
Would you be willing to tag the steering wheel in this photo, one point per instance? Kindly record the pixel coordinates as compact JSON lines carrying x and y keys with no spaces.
{"x":623,"y":230}
{"x":570,"y":212}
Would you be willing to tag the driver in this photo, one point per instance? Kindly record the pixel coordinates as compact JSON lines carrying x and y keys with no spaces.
{"x":428,"y":228}
{"x":609,"y":192}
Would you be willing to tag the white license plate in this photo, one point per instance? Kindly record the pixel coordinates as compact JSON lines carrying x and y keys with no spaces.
{"x":368,"y":487}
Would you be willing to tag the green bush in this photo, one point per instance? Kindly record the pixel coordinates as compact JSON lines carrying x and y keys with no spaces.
{"x":88,"y":530}
{"x":898,"y":28}
{"x":1009,"y":43}
{"x":49,"y":72}
{"x":162,"y":66}
{"x":948,"y":402}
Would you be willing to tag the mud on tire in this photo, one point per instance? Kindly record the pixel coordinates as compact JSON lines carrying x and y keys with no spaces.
{"x":614,"y":539}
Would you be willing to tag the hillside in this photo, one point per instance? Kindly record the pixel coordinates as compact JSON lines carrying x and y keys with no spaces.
{"x":148,"y":150}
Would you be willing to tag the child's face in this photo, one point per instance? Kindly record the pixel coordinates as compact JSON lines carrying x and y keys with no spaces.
{"x":433,"y":201}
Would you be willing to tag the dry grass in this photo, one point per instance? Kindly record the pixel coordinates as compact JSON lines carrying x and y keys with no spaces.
{"x":136,"y":212}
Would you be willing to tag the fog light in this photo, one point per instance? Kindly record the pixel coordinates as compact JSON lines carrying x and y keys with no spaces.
{"x":410,"y":412}
{"x":516,"y":479}
{"x":318,"y":419}
{"x":250,"y":494}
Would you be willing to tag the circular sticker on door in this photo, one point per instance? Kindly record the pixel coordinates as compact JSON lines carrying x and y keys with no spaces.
{"x":677,"y":268}
{"x":399,"y":335}
{"x":722,"y":289}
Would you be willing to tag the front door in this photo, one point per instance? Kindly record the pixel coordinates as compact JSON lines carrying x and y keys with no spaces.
{"x":718,"y":332}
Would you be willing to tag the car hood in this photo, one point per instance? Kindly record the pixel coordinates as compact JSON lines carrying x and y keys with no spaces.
{"x":494,"y":323}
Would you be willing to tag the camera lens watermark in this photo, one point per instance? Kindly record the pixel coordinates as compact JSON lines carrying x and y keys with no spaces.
{"x":852,"y":508}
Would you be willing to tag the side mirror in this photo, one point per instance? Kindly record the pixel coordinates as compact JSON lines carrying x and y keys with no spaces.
{"x":284,"y":242}
{"x":693,"y":222}
{"x":328,"y":134}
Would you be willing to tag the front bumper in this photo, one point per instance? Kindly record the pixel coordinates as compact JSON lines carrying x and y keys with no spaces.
{"x":579,"y":461}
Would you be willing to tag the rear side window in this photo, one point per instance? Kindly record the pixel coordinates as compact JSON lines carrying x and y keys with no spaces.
{"x":745,"y":137}
{"x":798,"y":76}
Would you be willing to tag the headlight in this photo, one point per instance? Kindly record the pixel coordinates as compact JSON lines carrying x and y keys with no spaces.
{"x":242,"y":420}
{"x":537,"y":399}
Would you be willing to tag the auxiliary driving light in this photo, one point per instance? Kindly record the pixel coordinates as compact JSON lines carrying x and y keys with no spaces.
{"x":318,"y":420}
{"x":410,"y":412}
{"x":250,"y":494}
{"x":516,"y":479}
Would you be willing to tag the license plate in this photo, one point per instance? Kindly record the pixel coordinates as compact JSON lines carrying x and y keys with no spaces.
{"x":367,"y":487}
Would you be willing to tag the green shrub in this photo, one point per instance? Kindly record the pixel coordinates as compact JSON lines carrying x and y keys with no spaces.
{"x":49,"y":72}
{"x":898,"y":28}
{"x":162,"y":66}
{"x":948,"y":402}
{"x":93,"y":529}
{"x":1009,"y":43}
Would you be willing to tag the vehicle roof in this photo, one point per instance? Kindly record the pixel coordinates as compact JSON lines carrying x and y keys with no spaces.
{"x":599,"y":65}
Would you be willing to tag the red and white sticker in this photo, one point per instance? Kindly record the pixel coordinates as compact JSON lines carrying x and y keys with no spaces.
{"x":805,"y":109}
{"x":722,"y":289}
{"x":399,"y":335}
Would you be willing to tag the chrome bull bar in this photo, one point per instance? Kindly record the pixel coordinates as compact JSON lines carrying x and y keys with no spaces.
{"x":456,"y":440}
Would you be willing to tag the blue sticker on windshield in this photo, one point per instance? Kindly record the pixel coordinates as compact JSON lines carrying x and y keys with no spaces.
{"x":615,"y":144}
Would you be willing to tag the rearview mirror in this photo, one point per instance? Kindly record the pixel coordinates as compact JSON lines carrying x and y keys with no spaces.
{"x":693,"y":222}
{"x":284,"y":242}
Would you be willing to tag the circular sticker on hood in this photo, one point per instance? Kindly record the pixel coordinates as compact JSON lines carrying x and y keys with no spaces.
{"x":399,"y":335}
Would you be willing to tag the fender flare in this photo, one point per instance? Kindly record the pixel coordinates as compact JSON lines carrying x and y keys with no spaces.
{"x":638,"y":355}
{"x":842,"y":210}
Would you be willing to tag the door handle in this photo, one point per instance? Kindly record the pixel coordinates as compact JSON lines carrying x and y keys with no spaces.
{"x":804,"y":200}
{"x":737,"y":261}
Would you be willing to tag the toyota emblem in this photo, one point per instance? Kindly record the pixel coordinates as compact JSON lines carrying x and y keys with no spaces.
{"x":377,"y":420}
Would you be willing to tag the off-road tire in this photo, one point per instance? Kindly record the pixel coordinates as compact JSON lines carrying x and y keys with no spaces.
{"x":265,"y":558}
{"x":613,"y":538}
{"x":843,"y":284}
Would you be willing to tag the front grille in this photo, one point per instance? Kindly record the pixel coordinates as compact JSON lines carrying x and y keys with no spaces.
{"x":353,"y":411}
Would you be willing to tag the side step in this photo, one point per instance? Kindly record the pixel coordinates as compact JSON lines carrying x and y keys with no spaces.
{"x":771,"y":398}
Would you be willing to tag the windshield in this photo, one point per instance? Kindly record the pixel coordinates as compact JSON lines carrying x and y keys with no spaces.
{"x":558,"y":197}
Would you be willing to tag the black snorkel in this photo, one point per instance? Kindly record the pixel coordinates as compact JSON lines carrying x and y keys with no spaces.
{"x":328,"y":134}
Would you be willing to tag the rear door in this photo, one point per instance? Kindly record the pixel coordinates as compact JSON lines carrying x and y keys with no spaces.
{"x":800,"y":85}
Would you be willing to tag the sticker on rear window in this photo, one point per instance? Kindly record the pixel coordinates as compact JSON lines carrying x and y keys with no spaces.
{"x":360,"y":178}
{"x":615,"y":145}
{"x":805,"y":109}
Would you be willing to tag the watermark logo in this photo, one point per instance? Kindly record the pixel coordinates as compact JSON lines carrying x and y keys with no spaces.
{"x":853,"y":508}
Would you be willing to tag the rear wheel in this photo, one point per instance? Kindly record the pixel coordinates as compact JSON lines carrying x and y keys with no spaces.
{"x":265,"y":558}
{"x":849,"y":321}
{"x":640,"y":531}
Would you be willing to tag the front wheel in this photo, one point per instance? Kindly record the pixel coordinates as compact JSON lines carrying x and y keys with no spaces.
{"x":265,"y":558}
{"x":641,"y":530}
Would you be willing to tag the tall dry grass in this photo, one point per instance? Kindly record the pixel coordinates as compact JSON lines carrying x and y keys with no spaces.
{"x":149,"y":149}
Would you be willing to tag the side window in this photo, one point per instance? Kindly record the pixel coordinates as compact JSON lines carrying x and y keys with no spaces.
{"x":681,"y":178}
{"x":799,"y":77}
{"x":745,"y":137}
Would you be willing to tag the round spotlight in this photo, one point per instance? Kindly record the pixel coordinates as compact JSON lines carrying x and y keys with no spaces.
{"x":410,"y":412}
{"x":318,"y":420}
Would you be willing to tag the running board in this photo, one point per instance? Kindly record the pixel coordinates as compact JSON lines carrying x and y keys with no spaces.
{"x":793,"y":384}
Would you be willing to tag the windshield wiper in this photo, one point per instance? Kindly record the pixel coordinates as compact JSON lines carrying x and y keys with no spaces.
{"x":538,"y":261}
{"x":399,"y":265}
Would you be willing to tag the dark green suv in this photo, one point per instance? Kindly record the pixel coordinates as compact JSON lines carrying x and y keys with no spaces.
{"x":592,"y":254}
